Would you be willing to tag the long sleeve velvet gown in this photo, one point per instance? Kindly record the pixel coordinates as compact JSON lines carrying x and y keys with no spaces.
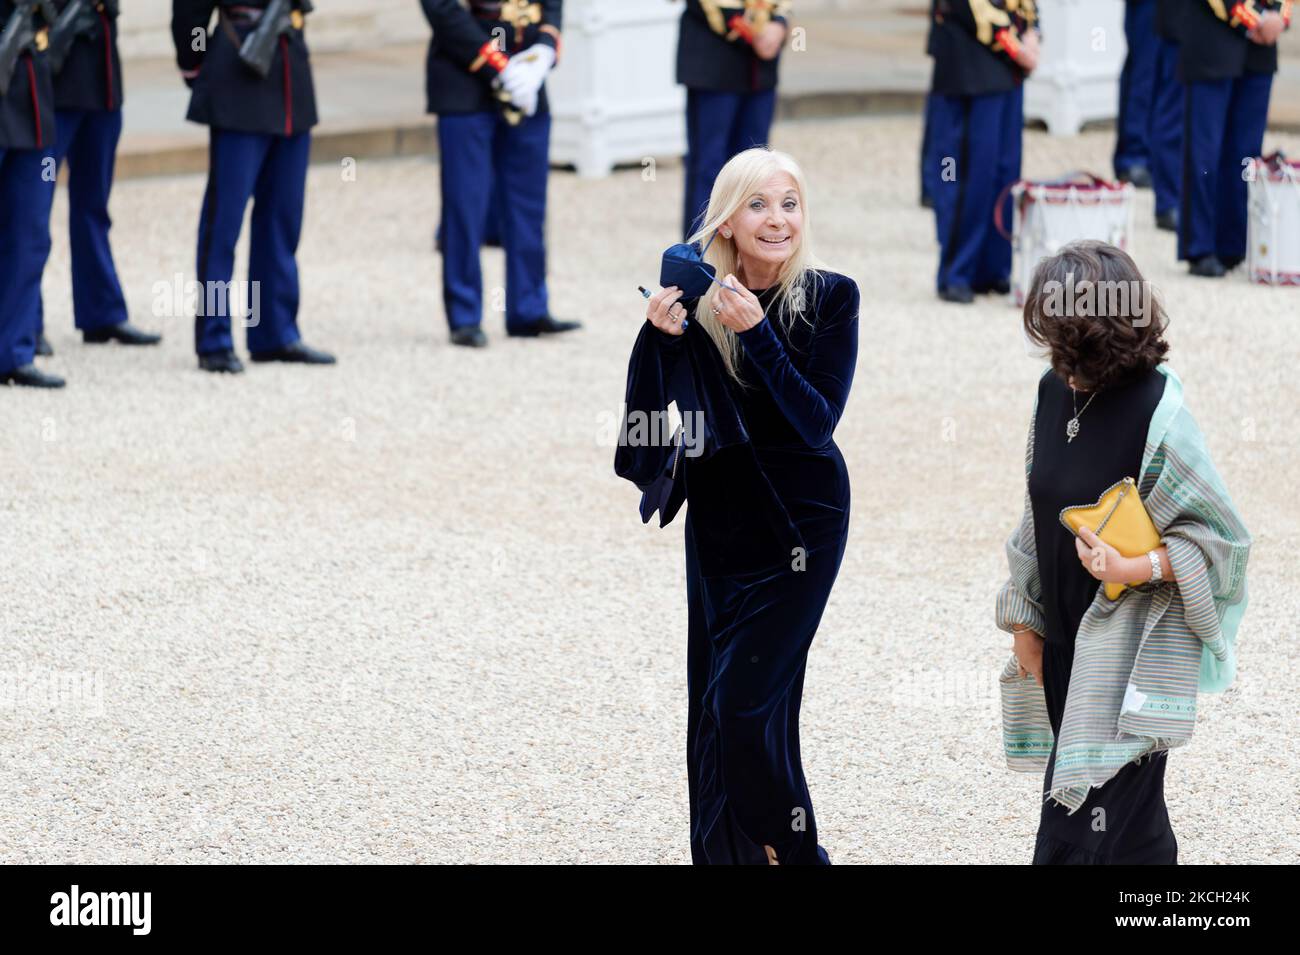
{"x":751,"y":620}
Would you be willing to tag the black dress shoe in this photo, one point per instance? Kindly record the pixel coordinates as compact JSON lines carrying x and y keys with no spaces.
{"x":29,"y":376}
{"x":1230,"y":262}
{"x":1208,"y":266}
{"x":123,"y":332}
{"x":297,"y":352}
{"x":927,"y":202}
{"x":1140,"y":176}
{"x":43,"y":347}
{"x":221,"y":361}
{"x":1000,"y":287}
{"x":471,"y":336}
{"x":960,"y":294}
{"x":1167,"y":221}
{"x":544,"y":326}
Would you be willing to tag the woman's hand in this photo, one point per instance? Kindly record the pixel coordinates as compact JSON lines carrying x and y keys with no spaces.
{"x":1106,"y":563}
{"x":1110,"y":566}
{"x":1028,"y":648}
{"x":739,"y":310}
{"x":665,"y":312}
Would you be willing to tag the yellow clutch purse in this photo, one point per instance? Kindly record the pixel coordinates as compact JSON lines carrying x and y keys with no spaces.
{"x":1120,"y":519}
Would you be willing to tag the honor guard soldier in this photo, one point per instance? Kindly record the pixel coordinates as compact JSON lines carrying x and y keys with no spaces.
{"x":1136,"y":94}
{"x":486,"y":74}
{"x":88,"y":103}
{"x":1165,"y":135}
{"x":983,"y":50}
{"x":252,"y":86}
{"x":1228,"y":58}
{"x":27,"y":130}
{"x":728,"y":53}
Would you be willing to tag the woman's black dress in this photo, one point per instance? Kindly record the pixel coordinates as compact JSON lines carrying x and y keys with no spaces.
{"x":1125,"y":821}
{"x":749,"y":634}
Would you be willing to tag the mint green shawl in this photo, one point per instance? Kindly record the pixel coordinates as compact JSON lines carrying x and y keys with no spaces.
{"x":1139,"y":660}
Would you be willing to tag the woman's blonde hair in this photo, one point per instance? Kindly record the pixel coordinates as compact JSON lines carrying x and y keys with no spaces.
{"x":740,"y":178}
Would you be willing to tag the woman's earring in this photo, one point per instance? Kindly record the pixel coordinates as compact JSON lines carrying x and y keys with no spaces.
{"x":726,"y":233}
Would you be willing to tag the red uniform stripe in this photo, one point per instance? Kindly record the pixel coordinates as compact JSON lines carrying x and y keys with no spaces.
{"x":1008,"y":41}
{"x":36,"y":102}
{"x":494,"y":57}
{"x":108,"y":59}
{"x":1243,"y":13}
{"x":741,"y":28}
{"x":288,"y":88}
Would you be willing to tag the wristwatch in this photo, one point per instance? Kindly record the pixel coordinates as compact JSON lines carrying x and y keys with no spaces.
{"x":1156,"y":575}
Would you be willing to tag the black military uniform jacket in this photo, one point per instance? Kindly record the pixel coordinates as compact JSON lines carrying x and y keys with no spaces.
{"x":1213,"y":42}
{"x":714,"y":50}
{"x":91,"y":78}
{"x":1166,"y":18}
{"x":973,"y":44}
{"x":27,"y":110}
{"x":229,"y":94}
{"x":472,"y":42}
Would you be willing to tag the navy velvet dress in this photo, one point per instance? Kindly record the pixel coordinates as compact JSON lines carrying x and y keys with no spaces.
{"x":749,"y":632}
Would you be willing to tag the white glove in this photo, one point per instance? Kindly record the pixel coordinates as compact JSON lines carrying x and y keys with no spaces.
{"x":526,"y":100}
{"x":525,"y":73}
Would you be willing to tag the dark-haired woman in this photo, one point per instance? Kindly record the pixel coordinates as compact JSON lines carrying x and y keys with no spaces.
{"x":1098,"y":690}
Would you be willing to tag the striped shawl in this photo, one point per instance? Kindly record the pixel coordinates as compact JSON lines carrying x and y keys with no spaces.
{"x":1138,"y":660}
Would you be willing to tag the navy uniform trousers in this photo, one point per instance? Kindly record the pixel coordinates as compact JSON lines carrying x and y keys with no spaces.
{"x":1224,"y":123}
{"x":931,"y":170}
{"x":1165,"y":130}
{"x":981,"y":135}
{"x":719,"y":125}
{"x":928,"y":176}
{"x":25,"y":191}
{"x":1150,"y":124}
{"x":87,"y":139}
{"x":1137,"y":86}
{"x":519,"y":157}
{"x":270,"y":169}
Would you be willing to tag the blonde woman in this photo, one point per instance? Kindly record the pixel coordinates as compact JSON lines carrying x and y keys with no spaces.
{"x":769,"y":514}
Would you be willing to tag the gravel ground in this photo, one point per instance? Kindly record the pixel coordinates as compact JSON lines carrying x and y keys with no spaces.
{"x":402,"y":610}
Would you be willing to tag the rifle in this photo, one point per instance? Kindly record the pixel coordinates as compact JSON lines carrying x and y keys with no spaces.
{"x":77,"y":19}
{"x":19,"y":37}
{"x":258,"y":48}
